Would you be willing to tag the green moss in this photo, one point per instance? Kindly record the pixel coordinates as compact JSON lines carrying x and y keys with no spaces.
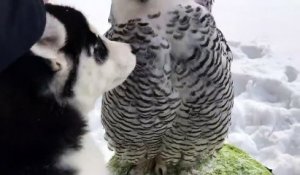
{"x":228,"y":161}
{"x":233,"y":161}
{"x":117,"y":167}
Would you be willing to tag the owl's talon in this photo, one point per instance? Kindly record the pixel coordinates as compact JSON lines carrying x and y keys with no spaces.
{"x":160,"y":170}
{"x":160,"y":167}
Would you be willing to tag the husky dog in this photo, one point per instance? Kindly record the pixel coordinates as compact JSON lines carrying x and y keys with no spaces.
{"x":45,"y":97}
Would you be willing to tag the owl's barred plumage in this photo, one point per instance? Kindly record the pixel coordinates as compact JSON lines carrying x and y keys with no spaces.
{"x":177,"y":102}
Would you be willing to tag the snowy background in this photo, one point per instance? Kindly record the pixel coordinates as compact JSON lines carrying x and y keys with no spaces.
{"x":264,"y":36}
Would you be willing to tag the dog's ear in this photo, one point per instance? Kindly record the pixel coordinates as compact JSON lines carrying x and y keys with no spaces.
{"x":52,"y":40}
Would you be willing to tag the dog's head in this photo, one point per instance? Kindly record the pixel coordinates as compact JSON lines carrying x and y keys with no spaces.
{"x":84,"y":64}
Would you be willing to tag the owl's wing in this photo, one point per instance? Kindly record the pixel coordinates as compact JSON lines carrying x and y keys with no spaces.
{"x":136,"y":114}
{"x":193,"y":29}
{"x":202,"y":76}
{"x":140,"y":36}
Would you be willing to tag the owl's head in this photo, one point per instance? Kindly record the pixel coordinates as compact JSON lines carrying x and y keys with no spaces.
{"x":124,"y":10}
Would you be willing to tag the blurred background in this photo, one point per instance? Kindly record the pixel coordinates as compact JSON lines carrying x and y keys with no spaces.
{"x":264,"y":36}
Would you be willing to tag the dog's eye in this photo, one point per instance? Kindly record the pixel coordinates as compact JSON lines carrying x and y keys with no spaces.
{"x":100,"y":51}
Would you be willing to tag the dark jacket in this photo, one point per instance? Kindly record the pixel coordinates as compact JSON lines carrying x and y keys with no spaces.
{"x":22,"y":23}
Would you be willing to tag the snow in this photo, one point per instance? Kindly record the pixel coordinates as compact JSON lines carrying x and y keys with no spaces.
{"x":263,"y":35}
{"x":266,"y":71}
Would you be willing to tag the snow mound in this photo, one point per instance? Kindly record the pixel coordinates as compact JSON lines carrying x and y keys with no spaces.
{"x":265,"y":119}
{"x":291,"y":73}
{"x":253,"y":52}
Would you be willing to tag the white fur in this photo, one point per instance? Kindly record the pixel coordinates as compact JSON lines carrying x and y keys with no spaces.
{"x":93,"y":79}
{"x":87,"y":161}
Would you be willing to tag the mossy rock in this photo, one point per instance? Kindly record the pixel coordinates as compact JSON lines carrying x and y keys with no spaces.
{"x":229,"y":161}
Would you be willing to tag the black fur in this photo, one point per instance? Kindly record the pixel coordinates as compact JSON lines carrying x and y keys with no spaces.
{"x":35,"y":129}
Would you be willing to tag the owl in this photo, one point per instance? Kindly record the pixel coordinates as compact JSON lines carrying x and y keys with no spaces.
{"x":175,"y":107}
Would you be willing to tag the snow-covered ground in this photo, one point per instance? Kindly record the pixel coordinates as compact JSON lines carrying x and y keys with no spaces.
{"x":264,"y":36}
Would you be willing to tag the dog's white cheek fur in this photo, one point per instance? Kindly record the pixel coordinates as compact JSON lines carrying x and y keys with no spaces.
{"x":92,"y":81}
{"x":95,"y":79}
